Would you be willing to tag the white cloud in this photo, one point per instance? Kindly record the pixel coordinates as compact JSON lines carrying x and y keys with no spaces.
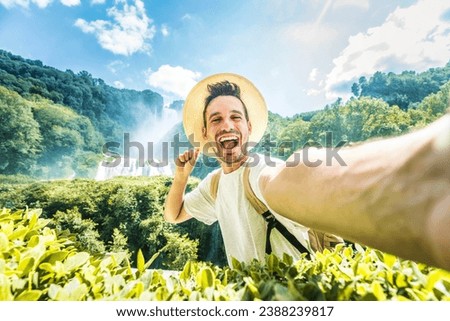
{"x":25,"y":3}
{"x":71,"y":3}
{"x":363,"y":4}
{"x":313,"y":75}
{"x":40,"y":3}
{"x":98,"y":1}
{"x":129,"y":31}
{"x":165,"y":30}
{"x":118,"y":84}
{"x":415,"y":38}
{"x":310,"y":34}
{"x":175,"y":80}
{"x":116,"y":66}
{"x":313,"y":92}
{"x":186,"y":16}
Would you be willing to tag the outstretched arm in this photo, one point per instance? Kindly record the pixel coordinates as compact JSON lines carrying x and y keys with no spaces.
{"x":173,"y":209}
{"x":393,"y":194}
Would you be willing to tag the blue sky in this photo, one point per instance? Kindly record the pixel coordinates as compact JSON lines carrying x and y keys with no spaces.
{"x":301,"y":54}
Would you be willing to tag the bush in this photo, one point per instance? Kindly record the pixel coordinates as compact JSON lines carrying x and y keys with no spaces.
{"x":39,"y":263}
{"x":121,"y":213}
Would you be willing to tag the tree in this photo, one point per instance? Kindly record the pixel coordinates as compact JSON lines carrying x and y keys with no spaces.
{"x":292,"y":137}
{"x":436,"y":104}
{"x":20,"y":139}
{"x":68,"y":139}
{"x":329,"y":120}
{"x":356,"y":89}
{"x":367,"y":117}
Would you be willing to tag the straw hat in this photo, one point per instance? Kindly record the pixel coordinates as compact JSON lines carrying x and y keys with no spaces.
{"x":195,"y":103}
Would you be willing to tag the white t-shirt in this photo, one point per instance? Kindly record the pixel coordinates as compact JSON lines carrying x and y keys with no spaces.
{"x":243,"y":229}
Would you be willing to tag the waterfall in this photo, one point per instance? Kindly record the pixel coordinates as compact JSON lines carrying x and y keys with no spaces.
{"x":135,"y":159}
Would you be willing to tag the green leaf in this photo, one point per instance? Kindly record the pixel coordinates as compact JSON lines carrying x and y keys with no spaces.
{"x":153,"y":258}
{"x":25,"y":265}
{"x":236,"y":264}
{"x":33,"y":219}
{"x":436,"y":276}
{"x":250,"y":290}
{"x":34,"y":241}
{"x":378,"y":291}
{"x":205,"y":278}
{"x":389,"y":260}
{"x":287,"y":259}
{"x":4,"y":242}
{"x":5,"y":288}
{"x":19,"y":233}
{"x":29,"y":295}
{"x":57,"y":256}
{"x":140,"y":261}
{"x":75,"y":261}
{"x":46,"y":267}
{"x":187,"y":271}
{"x":272,"y":262}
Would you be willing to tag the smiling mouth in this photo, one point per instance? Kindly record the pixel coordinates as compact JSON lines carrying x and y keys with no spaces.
{"x":229,"y":142}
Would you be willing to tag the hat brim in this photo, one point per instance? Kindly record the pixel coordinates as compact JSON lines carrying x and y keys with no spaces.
{"x":195,"y":104}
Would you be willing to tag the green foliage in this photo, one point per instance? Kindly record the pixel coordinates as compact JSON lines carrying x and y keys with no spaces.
{"x":20,"y":139}
{"x":344,"y":274}
{"x":39,"y":263}
{"x":16,"y":179}
{"x":69,"y":140}
{"x":435,"y":105}
{"x":45,"y":139}
{"x":121,"y":214}
{"x":74,"y":113}
{"x":329,"y":120}
{"x":107,"y":108}
{"x":83,"y":230}
{"x":405,"y":89}
{"x":365,"y":118}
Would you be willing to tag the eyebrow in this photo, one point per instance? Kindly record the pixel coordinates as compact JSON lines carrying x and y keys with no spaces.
{"x":218,"y":113}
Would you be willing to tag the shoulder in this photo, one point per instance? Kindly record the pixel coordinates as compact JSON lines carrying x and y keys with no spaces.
{"x":262,"y":165}
{"x":261,"y":169}
{"x":205,"y":183}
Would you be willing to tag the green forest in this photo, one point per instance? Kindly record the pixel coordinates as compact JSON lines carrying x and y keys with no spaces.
{"x":108,"y":240}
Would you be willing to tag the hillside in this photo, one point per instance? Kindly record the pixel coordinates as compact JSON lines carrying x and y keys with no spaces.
{"x":55,"y":123}
{"x":111,"y":110}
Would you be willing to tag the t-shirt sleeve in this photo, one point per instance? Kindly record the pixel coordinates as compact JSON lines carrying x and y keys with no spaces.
{"x":199,"y":204}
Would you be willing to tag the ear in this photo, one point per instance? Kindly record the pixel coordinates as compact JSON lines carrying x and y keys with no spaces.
{"x":249,"y":124}
{"x":204,"y":132}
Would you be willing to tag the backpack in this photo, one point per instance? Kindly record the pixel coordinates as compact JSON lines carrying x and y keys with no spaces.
{"x":318,"y":240}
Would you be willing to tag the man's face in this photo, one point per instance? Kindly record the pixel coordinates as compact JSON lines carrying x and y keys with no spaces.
{"x":227,"y":128}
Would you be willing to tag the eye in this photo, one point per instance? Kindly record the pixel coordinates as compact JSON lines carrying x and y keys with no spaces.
{"x":237,"y":117}
{"x":215,"y":120}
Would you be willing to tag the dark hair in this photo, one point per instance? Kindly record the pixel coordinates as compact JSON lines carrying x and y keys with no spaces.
{"x":224,"y":88}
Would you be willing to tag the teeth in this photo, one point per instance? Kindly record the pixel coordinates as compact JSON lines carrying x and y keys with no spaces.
{"x":224,"y":139}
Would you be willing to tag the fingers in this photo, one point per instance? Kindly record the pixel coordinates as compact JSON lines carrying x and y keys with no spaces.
{"x":190,"y":156}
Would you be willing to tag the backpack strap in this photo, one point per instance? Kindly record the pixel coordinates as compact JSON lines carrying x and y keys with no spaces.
{"x":272,"y":222}
{"x":214,"y":187}
{"x":257,"y":204}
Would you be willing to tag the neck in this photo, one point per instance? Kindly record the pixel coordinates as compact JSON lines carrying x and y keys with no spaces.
{"x":231,"y":167}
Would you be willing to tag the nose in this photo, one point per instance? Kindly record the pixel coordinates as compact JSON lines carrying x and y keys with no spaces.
{"x":228,"y":124}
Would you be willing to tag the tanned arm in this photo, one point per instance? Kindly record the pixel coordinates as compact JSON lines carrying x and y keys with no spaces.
{"x":393,"y":194}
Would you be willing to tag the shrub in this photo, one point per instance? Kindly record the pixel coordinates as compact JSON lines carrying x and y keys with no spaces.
{"x":121,"y":213}
{"x":39,"y":263}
